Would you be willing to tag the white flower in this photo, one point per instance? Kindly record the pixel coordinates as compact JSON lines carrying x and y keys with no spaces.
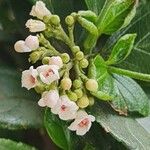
{"x":39,"y":10}
{"x":35,"y":25}
{"x":56,"y":60}
{"x":65,"y":108}
{"x":21,"y":47}
{"x":48,"y":73}
{"x":32,"y":42}
{"x":82,"y":123}
{"x":29,"y":78}
{"x":49,"y":99}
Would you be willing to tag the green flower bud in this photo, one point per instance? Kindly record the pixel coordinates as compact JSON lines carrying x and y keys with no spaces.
{"x":91,"y":101}
{"x":55,"y":20}
{"x":77,"y":83}
{"x":65,"y":57}
{"x":74,"y":14}
{"x":72,"y":96}
{"x":35,"y":56}
{"x":75,"y":49}
{"x":69,"y":20}
{"x":40,"y":88}
{"x":84,"y":63}
{"x":66,"y":83}
{"x":79,"y":55}
{"x":46,"y":19}
{"x":91,"y":85}
{"x":45,"y":60}
{"x":79,"y":93}
{"x":83,"y":102}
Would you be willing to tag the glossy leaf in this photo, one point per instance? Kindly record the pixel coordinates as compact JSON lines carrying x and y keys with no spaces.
{"x":122,"y":49}
{"x":125,"y":129}
{"x":18,"y":110}
{"x":6,"y":144}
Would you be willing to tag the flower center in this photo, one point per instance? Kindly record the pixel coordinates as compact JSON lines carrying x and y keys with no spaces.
{"x":84,"y":122}
{"x":32,"y":79}
{"x":63,"y":107}
{"x":49,"y":72}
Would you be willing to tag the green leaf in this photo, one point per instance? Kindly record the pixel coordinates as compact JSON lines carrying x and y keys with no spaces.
{"x":113,"y":15}
{"x":57,"y":130}
{"x":95,"y":5}
{"x":6,"y":144}
{"x":18,"y":110}
{"x":139,"y":58}
{"x":126,"y":130}
{"x":121,"y":49}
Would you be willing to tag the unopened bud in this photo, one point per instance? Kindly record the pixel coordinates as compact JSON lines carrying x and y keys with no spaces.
{"x":77,"y":83}
{"x":66,"y":83}
{"x":79,"y":93}
{"x":40,"y":88}
{"x":35,"y":56}
{"x":56,"y":60}
{"x":55,"y":20}
{"x":65,"y":57}
{"x":75,"y":49}
{"x":45,"y":60}
{"x":69,"y":20}
{"x":79,"y":55}
{"x":91,"y":101}
{"x":83,"y":102}
{"x":46,"y":19}
{"x":72,"y":96}
{"x":91,"y":85}
{"x":84,"y":63}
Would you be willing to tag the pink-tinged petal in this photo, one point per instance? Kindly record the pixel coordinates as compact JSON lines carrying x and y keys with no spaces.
{"x":81,"y":114}
{"x":74,"y":125}
{"x":81,"y":131}
{"x":41,"y":102}
{"x":56,"y":60}
{"x":92,"y":118}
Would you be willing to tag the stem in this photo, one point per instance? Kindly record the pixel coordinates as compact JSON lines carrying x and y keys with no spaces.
{"x":132,"y":74}
{"x":71,"y":36}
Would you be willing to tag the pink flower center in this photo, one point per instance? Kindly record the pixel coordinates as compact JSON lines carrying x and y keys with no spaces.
{"x":84,"y":122}
{"x":32,"y":79}
{"x":63,"y":107}
{"x":49,"y":73}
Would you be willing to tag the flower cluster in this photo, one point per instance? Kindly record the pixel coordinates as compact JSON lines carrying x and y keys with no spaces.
{"x":61,"y":79}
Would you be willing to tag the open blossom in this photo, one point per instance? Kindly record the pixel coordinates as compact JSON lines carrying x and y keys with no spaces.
{"x":65,"y":108}
{"x":32,"y":42}
{"x":39,"y":10}
{"x":48,"y":73}
{"x":56,"y":60}
{"x":21,"y":47}
{"x":82,"y":123}
{"x":35,"y":25}
{"x":29,"y":78}
{"x":49,"y":99}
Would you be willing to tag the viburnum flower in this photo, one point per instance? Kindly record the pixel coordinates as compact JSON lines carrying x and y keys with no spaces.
{"x":32,"y":42}
{"x":49,"y":99}
{"x":48,"y":73}
{"x":21,"y":47}
{"x":65,"y":108}
{"x":82,"y":123}
{"x":56,"y":60}
{"x":29,"y":78}
{"x":39,"y":10}
{"x":35,"y":25}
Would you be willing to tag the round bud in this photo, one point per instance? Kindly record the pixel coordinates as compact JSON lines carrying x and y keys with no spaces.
{"x":77,"y":83}
{"x":56,"y":60}
{"x":84,"y":63}
{"x":35,"y":56}
{"x":79,"y":55}
{"x":83,"y":102}
{"x":46,"y":18}
{"x":65,"y":57}
{"x":45,"y":60}
{"x":73,"y":14}
{"x":69,"y":20}
{"x":75,"y":49}
{"x":40,"y":88}
{"x":91,"y":85}
{"x":55,"y":20}
{"x":91,"y":101}
{"x":72,"y":96}
{"x":79,"y":93}
{"x":66,"y":83}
